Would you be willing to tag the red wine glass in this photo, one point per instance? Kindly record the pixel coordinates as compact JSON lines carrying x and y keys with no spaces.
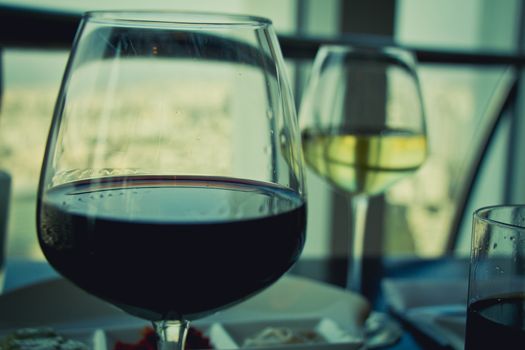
{"x":172,"y":184}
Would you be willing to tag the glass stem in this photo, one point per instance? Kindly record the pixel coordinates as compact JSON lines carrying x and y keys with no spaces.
{"x":171,"y":334}
{"x":355,"y":260}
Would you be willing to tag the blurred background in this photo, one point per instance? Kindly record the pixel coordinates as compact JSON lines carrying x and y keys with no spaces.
{"x":467,"y":107}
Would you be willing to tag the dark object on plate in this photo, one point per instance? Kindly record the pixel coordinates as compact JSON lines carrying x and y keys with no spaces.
{"x":195,"y":340}
{"x":39,"y":339}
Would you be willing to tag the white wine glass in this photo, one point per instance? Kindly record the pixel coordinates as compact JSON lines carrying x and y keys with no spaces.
{"x":172,"y":184}
{"x":363,"y":128}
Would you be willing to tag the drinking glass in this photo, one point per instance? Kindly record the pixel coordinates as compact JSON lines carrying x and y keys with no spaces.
{"x":496,"y":294}
{"x":172,"y":183}
{"x":363,"y":127}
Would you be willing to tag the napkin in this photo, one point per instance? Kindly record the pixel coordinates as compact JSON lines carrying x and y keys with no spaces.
{"x":435,"y":307}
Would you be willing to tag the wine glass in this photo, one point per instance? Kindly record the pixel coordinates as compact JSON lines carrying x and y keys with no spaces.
{"x":363,"y":127}
{"x":172,"y":184}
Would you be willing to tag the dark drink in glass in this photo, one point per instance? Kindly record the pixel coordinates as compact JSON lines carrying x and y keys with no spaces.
{"x":202,"y":234}
{"x":496,"y":323}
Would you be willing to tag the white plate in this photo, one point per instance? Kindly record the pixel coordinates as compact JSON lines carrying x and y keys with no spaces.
{"x":61,"y":305}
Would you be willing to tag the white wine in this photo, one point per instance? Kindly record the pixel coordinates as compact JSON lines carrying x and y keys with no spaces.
{"x":364,"y":162}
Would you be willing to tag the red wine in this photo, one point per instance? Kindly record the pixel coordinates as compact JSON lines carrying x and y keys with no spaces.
{"x":496,"y":323}
{"x":160,"y":246}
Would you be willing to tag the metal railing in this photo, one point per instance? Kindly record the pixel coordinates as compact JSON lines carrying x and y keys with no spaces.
{"x":33,"y":28}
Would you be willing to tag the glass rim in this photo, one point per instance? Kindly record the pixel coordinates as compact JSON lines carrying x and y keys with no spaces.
{"x":480,"y":214}
{"x":398,"y":53}
{"x":399,"y":56}
{"x":370,"y":47}
{"x":176,"y":18}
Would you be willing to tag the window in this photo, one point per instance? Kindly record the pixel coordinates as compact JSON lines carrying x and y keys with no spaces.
{"x":27,"y":107}
{"x":415,"y":214}
{"x":31,"y":79}
{"x":456,"y":101}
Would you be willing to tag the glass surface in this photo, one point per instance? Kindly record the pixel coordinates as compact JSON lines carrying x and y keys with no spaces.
{"x":363,"y":127}
{"x":496,"y":296}
{"x":164,"y":207}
